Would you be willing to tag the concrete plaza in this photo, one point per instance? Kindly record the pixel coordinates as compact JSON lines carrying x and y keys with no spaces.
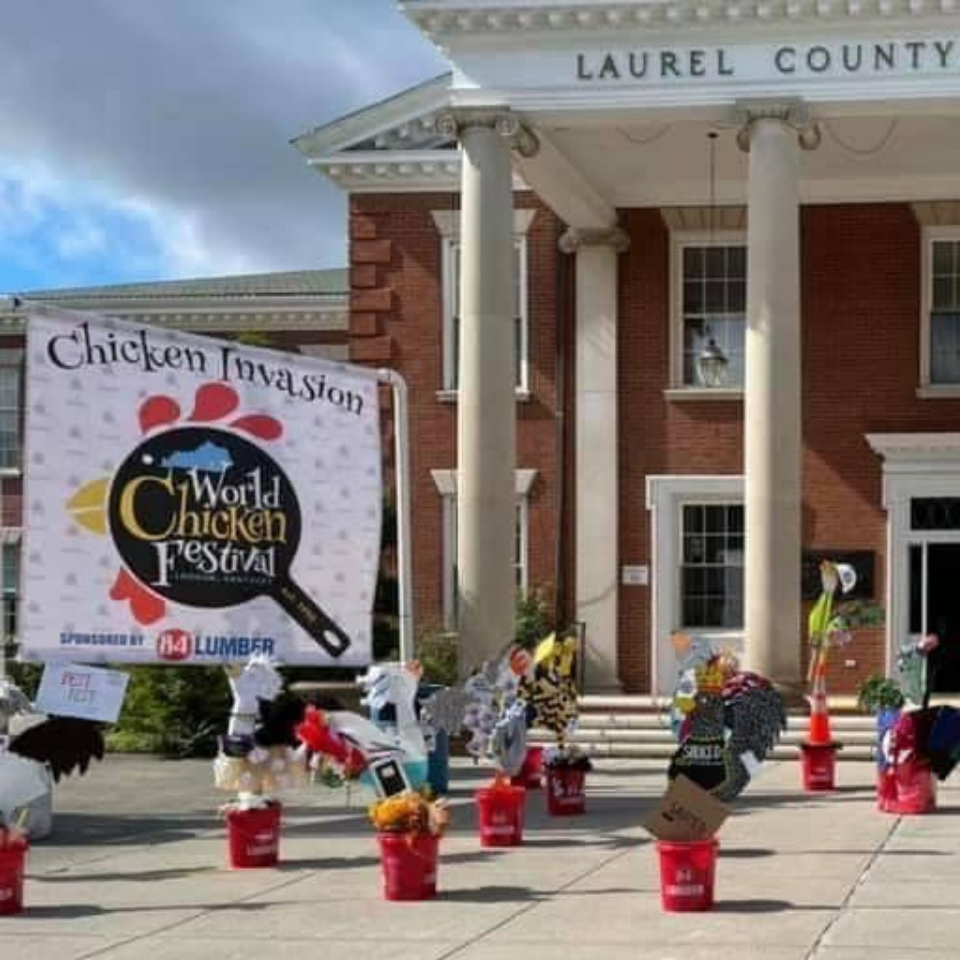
{"x":135,"y":870}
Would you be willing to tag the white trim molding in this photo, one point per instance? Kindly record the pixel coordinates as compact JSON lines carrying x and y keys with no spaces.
{"x":446,"y":481}
{"x":664,"y":496}
{"x":448,"y":221}
{"x":914,"y":465}
{"x":442,"y":20}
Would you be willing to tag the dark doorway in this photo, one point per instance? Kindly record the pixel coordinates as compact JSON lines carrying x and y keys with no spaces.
{"x":943,"y":609}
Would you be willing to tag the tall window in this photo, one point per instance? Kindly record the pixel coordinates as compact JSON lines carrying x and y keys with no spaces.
{"x":11,"y":588}
{"x":711,"y":571}
{"x":712,"y":305}
{"x":451,"y":322}
{"x":450,"y":555}
{"x":943,"y":296}
{"x":10,"y":394}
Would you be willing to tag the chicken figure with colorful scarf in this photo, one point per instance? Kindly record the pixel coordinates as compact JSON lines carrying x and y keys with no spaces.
{"x":731,"y":721}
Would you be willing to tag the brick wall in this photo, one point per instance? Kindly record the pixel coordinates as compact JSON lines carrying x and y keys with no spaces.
{"x":861,"y":309}
{"x":861,"y":303}
{"x":396,"y":320}
{"x":656,"y":436}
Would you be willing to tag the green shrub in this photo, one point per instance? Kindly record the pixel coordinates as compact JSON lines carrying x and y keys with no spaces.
{"x":437,"y":652}
{"x":534,"y":618}
{"x":878,"y":693}
{"x":176,"y":711}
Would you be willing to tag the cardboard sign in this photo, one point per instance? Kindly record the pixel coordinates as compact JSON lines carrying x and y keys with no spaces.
{"x":90,"y":693}
{"x":686,"y":812}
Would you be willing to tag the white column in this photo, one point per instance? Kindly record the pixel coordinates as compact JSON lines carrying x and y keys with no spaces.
{"x":772,"y":396}
{"x":597,"y":513}
{"x":486,"y":401}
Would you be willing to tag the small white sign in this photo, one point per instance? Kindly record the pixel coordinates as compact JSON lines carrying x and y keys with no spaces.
{"x":91,"y":693}
{"x":633,"y":576}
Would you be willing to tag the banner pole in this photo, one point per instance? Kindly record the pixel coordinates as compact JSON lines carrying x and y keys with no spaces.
{"x":402,"y":474}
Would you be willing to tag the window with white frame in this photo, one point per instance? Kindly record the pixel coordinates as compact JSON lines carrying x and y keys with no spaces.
{"x":451,"y":321}
{"x":446,"y":484}
{"x":941,"y":314}
{"x":11,"y":588}
{"x":448,"y":224}
{"x":711,"y":565}
{"x":450,"y":556}
{"x":710,"y":303}
{"x":11,"y":381}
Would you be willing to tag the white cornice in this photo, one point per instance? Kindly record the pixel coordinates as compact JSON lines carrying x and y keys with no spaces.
{"x":910,"y":447}
{"x":413,"y":172}
{"x":447,"y":19}
{"x":237,"y":319}
{"x":396,"y":172}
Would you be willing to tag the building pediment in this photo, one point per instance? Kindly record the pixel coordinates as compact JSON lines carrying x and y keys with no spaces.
{"x":392,"y":145}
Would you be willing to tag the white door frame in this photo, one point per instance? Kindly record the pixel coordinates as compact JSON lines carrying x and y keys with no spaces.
{"x":665,"y":495}
{"x":914,"y":465}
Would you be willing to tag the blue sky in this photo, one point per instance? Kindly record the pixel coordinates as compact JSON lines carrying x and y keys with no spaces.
{"x":147,"y":140}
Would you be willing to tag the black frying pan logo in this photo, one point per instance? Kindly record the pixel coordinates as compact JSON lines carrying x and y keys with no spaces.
{"x":206,"y":518}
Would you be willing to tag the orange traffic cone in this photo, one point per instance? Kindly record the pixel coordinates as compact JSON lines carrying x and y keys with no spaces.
{"x":819,"y":714}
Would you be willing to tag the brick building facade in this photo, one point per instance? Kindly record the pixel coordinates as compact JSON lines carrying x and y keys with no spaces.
{"x":697,"y":188}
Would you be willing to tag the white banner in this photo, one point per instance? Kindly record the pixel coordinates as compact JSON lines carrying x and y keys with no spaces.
{"x":91,"y":693}
{"x":193,"y":500}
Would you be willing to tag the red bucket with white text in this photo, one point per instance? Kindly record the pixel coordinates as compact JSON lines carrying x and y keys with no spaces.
{"x":819,"y":763}
{"x":409,"y":864}
{"x":500,"y":810}
{"x":13,"y":862}
{"x":687,"y":873}
{"x":254,"y":836}
{"x":566,"y":794}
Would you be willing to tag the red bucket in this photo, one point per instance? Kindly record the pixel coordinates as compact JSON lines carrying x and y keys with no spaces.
{"x":500,"y":811}
{"x":687,"y":872}
{"x":409,"y":865}
{"x":13,"y":858}
{"x":910,"y":788}
{"x":565,"y":791}
{"x":819,"y":762}
{"x":531,"y":773}
{"x":254,"y":836}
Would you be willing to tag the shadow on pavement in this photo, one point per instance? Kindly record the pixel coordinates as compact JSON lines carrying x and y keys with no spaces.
{"x":767,"y":906}
{"x":90,"y":828}
{"x":141,"y":876}
{"x":74,"y":911}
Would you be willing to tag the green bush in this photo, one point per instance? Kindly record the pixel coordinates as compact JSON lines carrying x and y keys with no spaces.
{"x":436,"y":651}
{"x":25,"y":675}
{"x":176,"y":711}
{"x":534,"y":618}
{"x":878,"y":693}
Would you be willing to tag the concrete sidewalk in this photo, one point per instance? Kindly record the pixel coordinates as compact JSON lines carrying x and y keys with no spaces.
{"x":135,"y":870}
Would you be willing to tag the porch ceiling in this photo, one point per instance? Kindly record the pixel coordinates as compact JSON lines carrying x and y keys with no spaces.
{"x":666,"y":163}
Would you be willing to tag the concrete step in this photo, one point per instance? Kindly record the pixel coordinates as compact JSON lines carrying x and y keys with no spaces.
{"x":665,"y":751}
{"x":840,"y":704}
{"x":660,"y":720}
{"x":645,"y":736}
{"x":644,"y":732}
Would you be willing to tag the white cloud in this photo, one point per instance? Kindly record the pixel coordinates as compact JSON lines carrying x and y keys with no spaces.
{"x":154,"y":137}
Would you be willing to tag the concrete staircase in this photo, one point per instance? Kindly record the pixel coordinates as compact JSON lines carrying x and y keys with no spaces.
{"x":638,"y":726}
